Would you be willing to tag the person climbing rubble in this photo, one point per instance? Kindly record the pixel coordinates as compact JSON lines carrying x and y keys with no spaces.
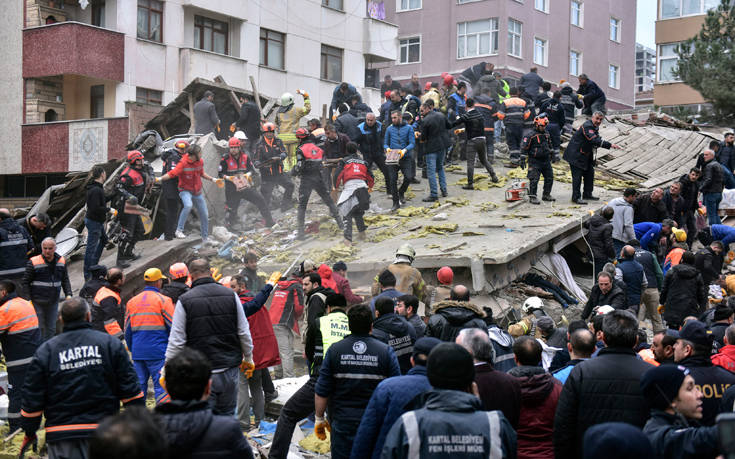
{"x":268,"y":158}
{"x":532,"y":309}
{"x":355,"y":197}
{"x":287,"y":120}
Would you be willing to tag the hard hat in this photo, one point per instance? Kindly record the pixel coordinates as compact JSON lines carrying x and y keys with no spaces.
{"x":240,"y":135}
{"x":427,"y":86}
{"x":602,"y":310}
{"x":181,"y":144}
{"x":153,"y":274}
{"x":448,"y":80}
{"x":541,"y":120}
{"x":531,"y":304}
{"x":445,"y":275}
{"x":234,"y":142}
{"x":407,"y":250}
{"x":286,"y":99}
{"x":679,"y":234}
{"x":178,"y":270}
{"x":444,"y":74}
{"x":269,"y":127}
{"x":302,"y":133}
{"x":134,"y":156}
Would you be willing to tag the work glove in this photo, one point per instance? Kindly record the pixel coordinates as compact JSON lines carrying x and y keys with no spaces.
{"x":29,"y":441}
{"x":247,"y":368}
{"x":227,"y":177}
{"x":417,"y":134}
{"x":661,"y":308}
{"x":162,"y":377}
{"x":113,"y":212}
{"x":580,"y":96}
{"x":523,"y":162}
{"x":321,"y":427}
{"x":216,"y":275}
{"x":157,"y":180}
{"x":402,"y":152}
{"x":275,"y":277}
{"x":232,"y":127}
{"x":133,"y":201}
{"x":219,"y":182}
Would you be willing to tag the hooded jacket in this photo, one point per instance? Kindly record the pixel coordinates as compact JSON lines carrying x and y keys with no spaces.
{"x":347,"y":124}
{"x":709,"y":265}
{"x":725,"y":358}
{"x":326,"y":274}
{"x":449,"y":317}
{"x":193,"y":431}
{"x":683,"y":294}
{"x":396,"y":332}
{"x":622,"y":221}
{"x":370,"y":140}
{"x":499,"y":391}
{"x":672,"y":438}
{"x":600,"y":237}
{"x":539,"y":395}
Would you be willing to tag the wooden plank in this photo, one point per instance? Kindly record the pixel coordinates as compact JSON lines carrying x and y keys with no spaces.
{"x":186,"y":113}
{"x":649,"y":150}
{"x":233,"y":97}
{"x":631,"y":150}
{"x":191,"y":110}
{"x":256,"y":93}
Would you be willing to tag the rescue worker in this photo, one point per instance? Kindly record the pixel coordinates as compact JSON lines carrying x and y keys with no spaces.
{"x":269,"y":156}
{"x":352,"y":369}
{"x":593,"y":97}
{"x":555,"y":112}
{"x":502,"y":97}
{"x":474,"y":124}
{"x":170,"y":188}
{"x":395,"y":331}
{"x":399,"y":136}
{"x":15,"y":243}
{"x":38,"y":227}
{"x":328,"y":329}
{"x":148,"y":319}
{"x":457,"y":106}
{"x":408,"y":278}
{"x":177,"y":284}
{"x":580,"y":154}
{"x":238,"y":163}
{"x":74,"y":381}
{"x":19,"y":337}
{"x":131,"y":187}
{"x":488,"y":107}
{"x":532,"y":309}
{"x":513,"y":112}
{"x":107,"y":307}
{"x":45,"y":277}
{"x":286,"y":308}
{"x":309,"y":166}
{"x":190,"y":172}
{"x":569,"y":101}
{"x":355,"y":197}
{"x":537,"y":148}
{"x":94,"y":220}
{"x":287,"y":120}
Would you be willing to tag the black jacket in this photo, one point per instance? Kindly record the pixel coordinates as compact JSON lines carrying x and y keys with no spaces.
{"x":709,"y":265}
{"x":45,"y":280}
{"x":370,"y":141}
{"x":645,"y":210}
{"x":616,"y":298}
{"x":174,"y":290}
{"x":449,"y":317}
{"x":712,"y":380}
{"x":651,"y":268}
{"x":569,"y":101}
{"x":360,"y":110}
{"x":396,"y":332}
{"x":193,"y":431}
{"x":555,"y":111}
{"x":433,"y":131}
{"x":591,"y":93}
{"x":718,"y":334}
{"x":97,"y":207}
{"x":603,"y":389}
{"x":581,"y":147}
{"x":488,"y":108}
{"x":249,"y":121}
{"x":537,"y":147}
{"x":672,"y":438}
{"x":712,"y":180}
{"x":37,"y":235}
{"x":346,"y":123}
{"x":689,"y":191}
{"x":531,"y":84}
{"x":170,"y":188}
{"x":683,"y":294}
{"x":77,"y":377}
{"x":90,"y":288}
{"x":474,"y":123}
{"x":676,"y":208}
{"x":726,"y":156}
{"x":635,"y":280}
{"x":15,"y":243}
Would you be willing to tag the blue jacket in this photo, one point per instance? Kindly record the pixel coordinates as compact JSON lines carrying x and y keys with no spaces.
{"x":647,"y":232}
{"x":563,"y":373}
{"x":396,"y":332}
{"x":634,"y":278}
{"x":387,"y":404}
{"x":398,"y":138}
{"x":339,"y":98}
{"x":390,"y":293}
{"x":723,"y":233}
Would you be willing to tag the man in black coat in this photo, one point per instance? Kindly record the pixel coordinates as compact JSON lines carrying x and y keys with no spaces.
{"x":433,"y":135}
{"x":711,"y":185}
{"x":690,"y":193}
{"x":607,"y":292}
{"x":587,"y":398}
{"x":684,"y":293}
{"x":97,"y":210}
{"x":580,"y":154}
{"x":370,"y":143}
{"x":395,"y":331}
{"x":709,"y":262}
{"x":249,"y":121}
{"x":346,"y":123}
{"x":593,"y":97}
{"x":600,"y":239}
{"x":650,"y":207}
{"x":450,"y":316}
{"x":170,"y":188}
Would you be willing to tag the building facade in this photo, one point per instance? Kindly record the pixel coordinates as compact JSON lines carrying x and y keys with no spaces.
{"x":72,"y":75}
{"x":563,"y":38}
{"x":677,"y":20}
{"x":645,"y":68}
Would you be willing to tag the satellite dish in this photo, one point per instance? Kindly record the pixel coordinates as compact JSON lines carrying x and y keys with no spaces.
{"x":66,"y":241}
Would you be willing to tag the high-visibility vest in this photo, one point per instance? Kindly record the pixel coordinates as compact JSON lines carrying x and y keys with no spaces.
{"x":149,"y":311}
{"x":334,"y":328}
{"x":110,"y":324}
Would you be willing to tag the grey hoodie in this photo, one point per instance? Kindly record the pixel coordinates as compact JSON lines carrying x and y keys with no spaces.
{"x":622,"y":220}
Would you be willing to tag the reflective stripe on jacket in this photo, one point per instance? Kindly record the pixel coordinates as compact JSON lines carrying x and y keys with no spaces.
{"x":148,"y":319}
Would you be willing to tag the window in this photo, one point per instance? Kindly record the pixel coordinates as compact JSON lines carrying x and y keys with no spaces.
{"x":97,"y":101}
{"x":577,"y":14}
{"x":575,"y":63}
{"x":477,"y":38}
{"x":150,"y":19}
{"x":540,"y":51}
{"x":336,"y":4}
{"x":408,"y":5}
{"x":613,"y":76}
{"x":211,"y":35}
{"x":409,"y":50}
{"x":677,"y":8}
{"x":542,"y":5}
{"x":615,"y":29}
{"x":667,"y":62}
{"x":98,"y":13}
{"x":331,"y":63}
{"x":515,"y":30}
{"x":148,"y":96}
{"x":272,"y":48}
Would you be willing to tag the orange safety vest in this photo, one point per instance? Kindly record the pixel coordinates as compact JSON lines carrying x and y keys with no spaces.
{"x":111,"y":325}
{"x":17,"y":315}
{"x":149,"y":311}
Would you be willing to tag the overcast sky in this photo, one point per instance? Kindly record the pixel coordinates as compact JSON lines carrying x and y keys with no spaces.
{"x":645,"y":23}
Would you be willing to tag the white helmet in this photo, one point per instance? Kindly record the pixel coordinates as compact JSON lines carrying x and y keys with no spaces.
{"x":240,"y":135}
{"x":531,"y":304}
{"x":286,"y":99}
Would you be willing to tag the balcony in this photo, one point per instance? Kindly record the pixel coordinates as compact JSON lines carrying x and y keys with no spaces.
{"x":379,"y":40}
{"x":221,"y":7}
{"x":196,"y":63}
{"x":73,"y":48}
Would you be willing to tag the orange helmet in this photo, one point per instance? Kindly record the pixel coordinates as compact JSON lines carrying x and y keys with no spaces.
{"x":178,"y":270}
{"x":302,"y":133}
{"x":448,"y":79}
{"x":134,"y":155}
{"x":182,"y":145}
{"x":269,"y":127}
{"x":234,"y":142}
{"x":541,"y":120}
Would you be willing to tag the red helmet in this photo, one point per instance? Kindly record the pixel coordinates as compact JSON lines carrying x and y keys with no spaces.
{"x":181,"y":144}
{"x":234,"y":142}
{"x":178,"y":270}
{"x":134,"y":155}
{"x":269,"y":127}
{"x":302,"y":133}
{"x":541,"y":120}
{"x":427,"y":86}
{"x":445,"y":275}
{"x":448,"y":80}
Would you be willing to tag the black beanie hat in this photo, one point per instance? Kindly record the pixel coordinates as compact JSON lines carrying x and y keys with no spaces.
{"x":660,"y":385}
{"x":722,"y":312}
{"x":450,"y":366}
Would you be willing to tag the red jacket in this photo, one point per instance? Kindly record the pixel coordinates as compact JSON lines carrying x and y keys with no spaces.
{"x":189,"y":174}
{"x":343,"y":287}
{"x":326,"y":274}
{"x":725,"y":358}
{"x":539,"y":395}
{"x":287,"y":304}
{"x":265,"y":346}
{"x":355,"y":169}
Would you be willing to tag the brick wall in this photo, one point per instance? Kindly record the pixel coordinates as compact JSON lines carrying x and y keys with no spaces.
{"x":43,"y":94}
{"x":139,"y":114}
{"x":37,"y":11}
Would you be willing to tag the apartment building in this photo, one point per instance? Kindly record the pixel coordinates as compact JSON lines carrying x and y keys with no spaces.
{"x":645,"y":68}
{"x":677,"y":21}
{"x":563,"y":38}
{"x":74,"y":70}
